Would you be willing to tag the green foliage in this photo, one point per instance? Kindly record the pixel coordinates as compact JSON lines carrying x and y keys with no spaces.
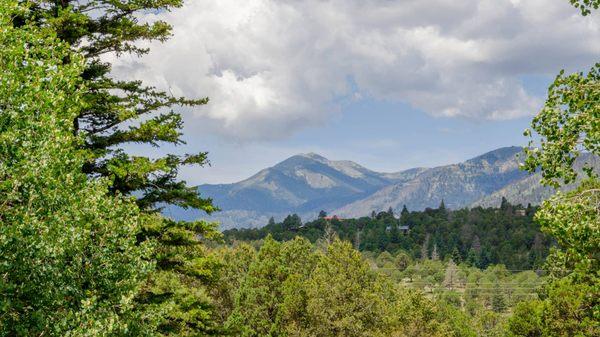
{"x":179,"y":290}
{"x":568,"y":124}
{"x":293,"y":289}
{"x":114,"y":113}
{"x":69,"y":260}
{"x":234,"y":263}
{"x":570,"y":305}
{"x":478,"y":236}
{"x":586,"y":6}
{"x":574,"y":221}
{"x":270,"y":297}
{"x":345,"y":297}
{"x":119,"y":112}
{"x":567,"y":309}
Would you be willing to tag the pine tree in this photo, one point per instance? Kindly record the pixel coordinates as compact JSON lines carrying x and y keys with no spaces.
{"x":117,"y":113}
{"x":120,"y":112}
{"x":456,"y":257}
{"x":498,"y":301}
{"x":185,"y":273}
{"x":404,"y":215}
{"x":473,"y":258}
{"x":504,"y":204}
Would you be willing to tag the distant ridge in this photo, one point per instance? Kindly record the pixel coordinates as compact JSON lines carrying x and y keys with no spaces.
{"x":307,"y":183}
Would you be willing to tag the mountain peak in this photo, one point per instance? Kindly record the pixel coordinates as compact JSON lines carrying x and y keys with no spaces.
{"x":314,"y":156}
{"x":503,"y":153}
{"x":308,"y":182}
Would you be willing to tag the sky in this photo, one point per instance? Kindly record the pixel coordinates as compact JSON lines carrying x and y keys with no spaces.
{"x":389,"y":84}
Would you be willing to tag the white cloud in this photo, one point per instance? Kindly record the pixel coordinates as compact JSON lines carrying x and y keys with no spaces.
{"x":271,"y":67}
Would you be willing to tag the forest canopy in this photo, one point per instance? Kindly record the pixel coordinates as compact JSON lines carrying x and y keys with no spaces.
{"x":84,"y":250}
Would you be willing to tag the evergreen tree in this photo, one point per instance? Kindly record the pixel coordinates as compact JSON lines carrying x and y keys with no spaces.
{"x":404,"y":214}
{"x":504,"y":204}
{"x":344,"y":296}
{"x":118,"y":112}
{"x":473,"y":259}
{"x":322,"y":214}
{"x":179,"y":290}
{"x":456,"y":255}
{"x":498,"y":301}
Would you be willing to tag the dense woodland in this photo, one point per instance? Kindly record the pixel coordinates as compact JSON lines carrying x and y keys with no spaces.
{"x":507,"y":235}
{"x":84,"y":250}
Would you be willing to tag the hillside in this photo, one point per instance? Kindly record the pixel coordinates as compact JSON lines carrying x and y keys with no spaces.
{"x":302,"y":184}
{"x":307,"y":183}
{"x":458,"y":185}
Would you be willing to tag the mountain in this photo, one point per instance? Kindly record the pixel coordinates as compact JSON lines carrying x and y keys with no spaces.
{"x":303,"y":184}
{"x":529,"y":189}
{"x":307,"y":183}
{"x":458,"y":185}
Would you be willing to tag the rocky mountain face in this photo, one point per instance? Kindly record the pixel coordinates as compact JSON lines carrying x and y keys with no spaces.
{"x":303,"y":184}
{"x":457,"y":184}
{"x":529,"y":190}
{"x":307,"y":183}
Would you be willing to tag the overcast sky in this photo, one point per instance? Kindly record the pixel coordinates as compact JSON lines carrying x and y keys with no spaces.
{"x":388,"y":84}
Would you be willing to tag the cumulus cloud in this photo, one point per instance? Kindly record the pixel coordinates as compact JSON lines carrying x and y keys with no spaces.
{"x":271,"y":67}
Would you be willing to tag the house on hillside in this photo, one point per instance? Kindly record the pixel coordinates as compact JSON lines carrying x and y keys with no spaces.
{"x":402,"y":229}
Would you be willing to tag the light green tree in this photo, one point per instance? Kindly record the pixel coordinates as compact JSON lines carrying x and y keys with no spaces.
{"x":345,"y":297}
{"x":69,"y":260}
{"x":568,"y":125}
{"x":271,"y":300}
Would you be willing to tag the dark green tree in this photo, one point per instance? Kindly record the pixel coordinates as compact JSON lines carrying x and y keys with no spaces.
{"x":322,"y":214}
{"x":118,"y":112}
{"x":456,"y":257}
{"x":404,"y":213}
{"x":498,"y":301}
{"x":179,"y":289}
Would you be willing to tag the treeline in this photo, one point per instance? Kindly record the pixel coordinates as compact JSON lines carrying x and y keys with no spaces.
{"x":479,"y":236}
